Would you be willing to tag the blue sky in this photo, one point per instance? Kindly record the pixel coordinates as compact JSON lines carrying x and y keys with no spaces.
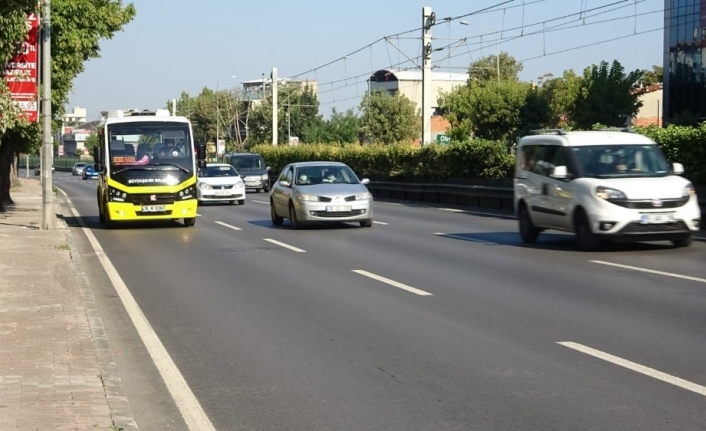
{"x":176,"y":45}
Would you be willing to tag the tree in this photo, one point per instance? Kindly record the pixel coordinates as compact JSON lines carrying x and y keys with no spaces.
{"x":91,"y":142}
{"x":607,"y":95}
{"x":342,"y":127}
{"x":301,"y":104}
{"x":485,"y":69}
{"x":389,"y":118}
{"x":495,"y":110}
{"x":561,"y":93}
{"x":73,"y":42}
{"x":650,"y":77}
{"x":213,"y":114}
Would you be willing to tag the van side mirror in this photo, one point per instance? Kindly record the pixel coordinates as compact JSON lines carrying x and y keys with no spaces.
{"x":560,"y":172}
{"x":97,"y":159}
{"x":678,"y":169}
{"x":268,"y":169}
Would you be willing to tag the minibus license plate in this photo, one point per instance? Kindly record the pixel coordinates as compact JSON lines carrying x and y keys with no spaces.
{"x":153,"y":209}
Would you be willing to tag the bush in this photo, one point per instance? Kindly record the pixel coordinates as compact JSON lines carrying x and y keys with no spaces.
{"x":682,"y":144}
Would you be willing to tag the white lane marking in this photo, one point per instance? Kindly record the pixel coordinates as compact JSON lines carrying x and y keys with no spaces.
{"x":381,"y":223}
{"x":651,"y":271}
{"x":463,"y":238}
{"x":453,"y":210}
{"x":228,"y":225}
{"x":260,"y":202}
{"x":392,"y":282}
{"x":198,"y":215}
{"x":186,"y":401}
{"x":651,"y":372}
{"x":281,"y":244}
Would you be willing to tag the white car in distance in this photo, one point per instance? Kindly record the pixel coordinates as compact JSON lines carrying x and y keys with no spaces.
{"x":220,"y":182}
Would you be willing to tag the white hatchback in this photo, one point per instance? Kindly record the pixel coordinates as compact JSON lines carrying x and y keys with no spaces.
{"x":219,"y":182}
{"x":603,"y":186}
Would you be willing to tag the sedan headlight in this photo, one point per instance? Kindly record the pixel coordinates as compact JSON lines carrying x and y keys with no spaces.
{"x":609,"y":194}
{"x":305,"y":197}
{"x":205,"y":186}
{"x":688,"y":191}
{"x":265,"y":176}
{"x":363,"y":196}
{"x":239,"y":184}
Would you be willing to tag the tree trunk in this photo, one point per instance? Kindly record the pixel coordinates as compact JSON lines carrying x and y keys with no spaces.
{"x":7,"y":152}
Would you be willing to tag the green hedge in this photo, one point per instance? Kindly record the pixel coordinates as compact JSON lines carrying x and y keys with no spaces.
{"x":472,"y":159}
{"x":475,"y":158}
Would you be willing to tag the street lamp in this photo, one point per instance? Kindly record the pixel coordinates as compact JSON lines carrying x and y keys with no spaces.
{"x":497,"y":56}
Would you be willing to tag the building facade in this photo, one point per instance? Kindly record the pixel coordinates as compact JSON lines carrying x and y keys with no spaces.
{"x":684,"y":59}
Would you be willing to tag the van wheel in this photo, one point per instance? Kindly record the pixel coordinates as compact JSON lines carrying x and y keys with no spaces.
{"x":586,"y":240}
{"x":528,"y":231}
{"x":683,"y":242}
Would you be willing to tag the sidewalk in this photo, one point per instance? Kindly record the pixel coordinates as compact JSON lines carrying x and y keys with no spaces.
{"x":56,"y":368}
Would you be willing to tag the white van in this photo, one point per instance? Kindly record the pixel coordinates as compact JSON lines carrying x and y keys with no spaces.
{"x":610,"y":185}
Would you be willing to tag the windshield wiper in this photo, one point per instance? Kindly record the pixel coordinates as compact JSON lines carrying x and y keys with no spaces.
{"x":183,"y":169}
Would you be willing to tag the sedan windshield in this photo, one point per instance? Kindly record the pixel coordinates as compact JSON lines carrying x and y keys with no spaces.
{"x":605,"y":161}
{"x":218,"y":171}
{"x":334,"y":174}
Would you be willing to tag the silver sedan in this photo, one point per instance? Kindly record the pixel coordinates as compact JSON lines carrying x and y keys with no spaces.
{"x":320,"y":192}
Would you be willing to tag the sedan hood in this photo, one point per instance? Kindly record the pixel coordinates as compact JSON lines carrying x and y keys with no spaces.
{"x":333,"y":189}
{"x":219,"y":181}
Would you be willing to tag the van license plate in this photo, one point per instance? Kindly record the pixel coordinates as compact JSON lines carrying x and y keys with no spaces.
{"x":153,"y":209}
{"x":338,"y":209}
{"x":656,"y":218}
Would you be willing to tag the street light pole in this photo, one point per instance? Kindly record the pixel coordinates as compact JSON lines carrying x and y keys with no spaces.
{"x":47,"y":154}
{"x":497,"y":54}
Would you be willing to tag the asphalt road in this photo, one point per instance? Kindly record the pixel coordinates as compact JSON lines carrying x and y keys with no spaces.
{"x":429,"y":320}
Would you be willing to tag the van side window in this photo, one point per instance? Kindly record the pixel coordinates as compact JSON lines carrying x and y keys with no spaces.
{"x":560,"y":157}
{"x":536,"y":159}
{"x":528,"y":158}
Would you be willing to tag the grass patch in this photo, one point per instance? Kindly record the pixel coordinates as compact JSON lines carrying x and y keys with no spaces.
{"x":63,"y":247}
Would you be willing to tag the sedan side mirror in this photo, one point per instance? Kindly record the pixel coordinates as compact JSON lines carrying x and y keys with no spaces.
{"x":678,"y":169}
{"x":284,"y":184}
{"x":268,"y":169}
{"x":365,"y":181}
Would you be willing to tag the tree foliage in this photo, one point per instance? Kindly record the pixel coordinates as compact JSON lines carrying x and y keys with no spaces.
{"x":213,"y":114}
{"x":389,"y":118}
{"x":77,"y":27}
{"x":342,"y":127}
{"x":494,"y":110}
{"x":486,"y":68}
{"x":607,"y":95}
{"x":650,"y":77}
{"x":562,"y":93}
{"x":297,"y":110}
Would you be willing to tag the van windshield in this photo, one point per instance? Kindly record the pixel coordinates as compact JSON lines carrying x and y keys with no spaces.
{"x":247,"y":162}
{"x":615,"y":161}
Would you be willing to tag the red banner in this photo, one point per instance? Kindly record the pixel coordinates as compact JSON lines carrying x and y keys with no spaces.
{"x":21,"y":72}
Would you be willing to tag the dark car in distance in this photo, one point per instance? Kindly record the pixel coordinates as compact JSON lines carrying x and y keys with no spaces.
{"x":89,"y":171}
{"x":252,"y":169}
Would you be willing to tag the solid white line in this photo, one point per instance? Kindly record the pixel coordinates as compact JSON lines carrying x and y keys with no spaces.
{"x":381,"y":223}
{"x":188,"y":405}
{"x":392,"y":282}
{"x":198,"y":215}
{"x":652,"y":271}
{"x":281,"y":244}
{"x":228,"y":226}
{"x":463,"y":238}
{"x":260,"y":202}
{"x":453,"y":210}
{"x":651,"y":372}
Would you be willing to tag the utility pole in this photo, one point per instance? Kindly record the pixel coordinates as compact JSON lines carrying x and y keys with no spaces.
{"x":428,"y":20}
{"x":47,"y":153}
{"x":274,"y":106}
{"x":218,"y":116}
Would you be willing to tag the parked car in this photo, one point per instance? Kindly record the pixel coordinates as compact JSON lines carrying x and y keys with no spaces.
{"x":252,"y":169}
{"x":89,"y":171}
{"x":220,"y":182}
{"x":604,"y":186}
{"x":78,"y":168}
{"x":320,"y":192}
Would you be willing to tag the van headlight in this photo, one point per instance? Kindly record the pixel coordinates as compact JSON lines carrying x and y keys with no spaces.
{"x":609,"y":194}
{"x":265,"y":176}
{"x":688,"y":191}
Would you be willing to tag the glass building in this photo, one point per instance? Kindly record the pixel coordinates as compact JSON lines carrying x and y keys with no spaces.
{"x":684,"y":54}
